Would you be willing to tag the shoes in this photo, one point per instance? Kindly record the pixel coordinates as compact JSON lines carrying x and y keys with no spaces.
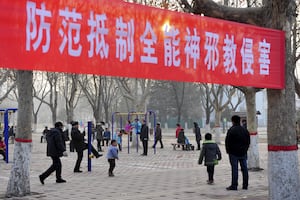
{"x":143,"y":154}
{"x":99,"y":155}
{"x":153,"y":147}
{"x":210,"y":182}
{"x":245,"y":188}
{"x":231,"y":188}
{"x":41,"y":179}
{"x":161,"y":147}
{"x":77,"y":171}
{"x":60,"y":181}
{"x":111,"y":174}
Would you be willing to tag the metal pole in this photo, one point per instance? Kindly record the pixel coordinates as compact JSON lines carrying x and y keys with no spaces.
{"x":89,"y":145}
{"x":6,"y":135}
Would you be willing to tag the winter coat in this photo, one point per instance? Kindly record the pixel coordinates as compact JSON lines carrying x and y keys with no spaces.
{"x":210,"y":153}
{"x":78,"y":139}
{"x":158,"y":135}
{"x":106,"y":135}
{"x":197,"y":132}
{"x":181,"y":137}
{"x":237,"y":140}
{"x":2,"y":145}
{"x":112,"y":152}
{"x":55,"y":143}
{"x":99,"y":132}
{"x":144,"y":133}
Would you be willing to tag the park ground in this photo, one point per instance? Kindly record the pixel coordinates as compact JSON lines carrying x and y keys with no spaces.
{"x":166,"y":174}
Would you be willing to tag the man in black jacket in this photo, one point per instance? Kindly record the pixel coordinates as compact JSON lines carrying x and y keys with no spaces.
{"x":55,"y":149}
{"x":237,"y":143}
{"x":144,"y":136}
{"x":80,"y":145}
{"x":197,"y":134}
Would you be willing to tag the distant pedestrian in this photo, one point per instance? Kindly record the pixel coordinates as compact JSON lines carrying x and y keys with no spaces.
{"x":106,"y":136}
{"x":55,"y":150}
{"x":158,"y":136}
{"x":197,"y":133}
{"x":144,"y":137}
{"x":2,"y":148}
{"x":99,"y":135}
{"x":44,"y":134}
{"x":112,"y":155}
{"x":80,"y":145}
{"x":211,"y":154}
{"x":237,"y":143}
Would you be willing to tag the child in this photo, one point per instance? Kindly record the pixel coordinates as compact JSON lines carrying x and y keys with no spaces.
{"x":211,"y":154}
{"x":2,"y":148}
{"x":112,"y":155}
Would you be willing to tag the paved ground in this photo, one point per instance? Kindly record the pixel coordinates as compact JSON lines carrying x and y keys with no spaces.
{"x":166,"y":175}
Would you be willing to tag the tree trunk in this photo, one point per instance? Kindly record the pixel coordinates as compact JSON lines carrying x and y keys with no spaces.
{"x":282,"y":143}
{"x":19,"y":181}
{"x":253,"y":153}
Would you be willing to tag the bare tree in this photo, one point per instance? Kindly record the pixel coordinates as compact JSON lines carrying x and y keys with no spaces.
{"x":7,"y":83}
{"x":40,"y":92}
{"x":71,"y":93}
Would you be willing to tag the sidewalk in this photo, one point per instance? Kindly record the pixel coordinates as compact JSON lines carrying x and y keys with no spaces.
{"x":166,"y":175}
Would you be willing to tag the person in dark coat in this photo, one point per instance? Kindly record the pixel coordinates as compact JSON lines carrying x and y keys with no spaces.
{"x":55,"y":150}
{"x":197,"y":135}
{"x":144,"y":136}
{"x":181,"y":138}
{"x":80,"y":145}
{"x":158,"y":136}
{"x":211,"y":154}
{"x":237,"y":142}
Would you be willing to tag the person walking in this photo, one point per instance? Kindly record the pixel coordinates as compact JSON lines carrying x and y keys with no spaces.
{"x":158,"y":136}
{"x":144,"y":137}
{"x":99,"y":135}
{"x":237,"y":142}
{"x":112,"y":155}
{"x":211,"y":154}
{"x":197,"y":133}
{"x":55,"y":150}
{"x":80,"y":145}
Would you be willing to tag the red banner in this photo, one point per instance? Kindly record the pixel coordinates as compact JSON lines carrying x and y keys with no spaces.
{"x":124,"y":39}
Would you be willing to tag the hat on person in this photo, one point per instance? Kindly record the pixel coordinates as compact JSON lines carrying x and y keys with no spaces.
{"x":74,"y":123}
{"x":158,"y":124}
{"x":58,"y":124}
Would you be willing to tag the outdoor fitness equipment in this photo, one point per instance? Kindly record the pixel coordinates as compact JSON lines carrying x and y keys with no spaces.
{"x":130,"y":116}
{"x":7,"y":113}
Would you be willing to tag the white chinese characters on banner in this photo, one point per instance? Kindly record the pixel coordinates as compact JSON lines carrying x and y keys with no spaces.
{"x":247,"y":56}
{"x":192,"y":47}
{"x":69,"y":25}
{"x":264,"y":61}
{"x":124,"y":39}
{"x":229,"y":55}
{"x":34,"y":31}
{"x":171,"y":47}
{"x":148,"y":43}
{"x":96,"y":36}
{"x":38,"y":35}
{"x":212,"y":53}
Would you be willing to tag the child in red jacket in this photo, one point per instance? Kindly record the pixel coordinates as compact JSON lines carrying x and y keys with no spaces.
{"x":2,"y":148}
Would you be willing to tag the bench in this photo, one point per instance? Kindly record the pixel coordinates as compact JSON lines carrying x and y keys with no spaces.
{"x":186,"y":147}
